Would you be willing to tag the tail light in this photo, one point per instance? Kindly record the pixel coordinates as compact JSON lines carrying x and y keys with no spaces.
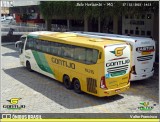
{"x":102,"y":83}
{"x":133,"y":70}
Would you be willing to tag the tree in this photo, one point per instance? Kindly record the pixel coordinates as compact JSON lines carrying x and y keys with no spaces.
{"x":68,"y":10}
{"x":46,"y":10}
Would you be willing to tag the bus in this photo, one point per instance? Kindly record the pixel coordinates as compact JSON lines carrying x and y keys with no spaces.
{"x":96,"y":66}
{"x":143,"y":52}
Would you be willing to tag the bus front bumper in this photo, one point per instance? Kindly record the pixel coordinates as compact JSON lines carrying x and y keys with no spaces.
{"x":142,"y":76}
{"x":112,"y":92}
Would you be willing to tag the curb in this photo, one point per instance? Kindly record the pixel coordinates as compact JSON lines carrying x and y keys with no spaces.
{"x":8,"y":43}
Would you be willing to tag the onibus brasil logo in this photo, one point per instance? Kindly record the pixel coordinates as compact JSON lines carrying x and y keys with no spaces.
{"x":145,"y":106}
{"x":14,"y":104}
{"x":118,"y":51}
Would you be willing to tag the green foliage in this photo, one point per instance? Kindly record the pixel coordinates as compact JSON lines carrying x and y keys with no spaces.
{"x":69,"y":8}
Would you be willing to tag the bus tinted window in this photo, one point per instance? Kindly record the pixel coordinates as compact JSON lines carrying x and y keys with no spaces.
{"x":54,"y":49}
{"x":67,"y":51}
{"x":89,"y":56}
{"x":59,"y":49}
{"x":95,"y":56}
{"x":30,"y":43}
{"x":38,"y":44}
{"x":79,"y":54}
{"x":46,"y":46}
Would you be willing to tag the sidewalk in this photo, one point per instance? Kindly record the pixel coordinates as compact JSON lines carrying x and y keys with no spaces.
{"x":7,"y":43}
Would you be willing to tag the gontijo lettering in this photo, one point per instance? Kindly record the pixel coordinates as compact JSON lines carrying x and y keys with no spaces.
{"x":118,"y":63}
{"x":63,"y":63}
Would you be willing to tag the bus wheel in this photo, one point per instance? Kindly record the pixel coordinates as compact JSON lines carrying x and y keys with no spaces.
{"x":28,"y":66}
{"x":67,"y":82}
{"x":77,"y":86}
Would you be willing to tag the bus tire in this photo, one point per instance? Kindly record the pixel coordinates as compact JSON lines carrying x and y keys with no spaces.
{"x":28,"y":66}
{"x":77,"y":86}
{"x":67,"y":83}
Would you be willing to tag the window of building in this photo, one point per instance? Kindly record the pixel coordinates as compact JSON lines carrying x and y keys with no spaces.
{"x":126,"y":31}
{"x":148,"y":33}
{"x":143,"y":16}
{"x":131,"y":32}
{"x":137,"y":32}
{"x":142,"y":32}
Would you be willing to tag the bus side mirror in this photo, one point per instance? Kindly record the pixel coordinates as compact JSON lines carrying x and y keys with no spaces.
{"x":18,"y":44}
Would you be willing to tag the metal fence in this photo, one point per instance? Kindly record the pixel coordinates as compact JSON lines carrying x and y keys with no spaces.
{"x":30,"y":27}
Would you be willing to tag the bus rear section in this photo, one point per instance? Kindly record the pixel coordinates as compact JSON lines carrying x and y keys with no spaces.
{"x":117,"y":70}
{"x":144,"y":59}
{"x":143,"y":53}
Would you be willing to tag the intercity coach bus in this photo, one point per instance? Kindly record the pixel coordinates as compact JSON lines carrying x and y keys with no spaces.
{"x":143,"y":52}
{"x":96,"y":66}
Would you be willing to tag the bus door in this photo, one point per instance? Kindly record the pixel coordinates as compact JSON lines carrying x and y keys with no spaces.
{"x":144,"y":56}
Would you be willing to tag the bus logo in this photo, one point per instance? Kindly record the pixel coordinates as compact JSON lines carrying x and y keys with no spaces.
{"x":145,"y":106}
{"x":118,"y":51}
{"x":14,"y":104}
{"x":14,"y":100}
{"x":145,"y":49}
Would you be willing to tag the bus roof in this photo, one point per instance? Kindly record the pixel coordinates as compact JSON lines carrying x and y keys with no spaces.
{"x":72,"y":38}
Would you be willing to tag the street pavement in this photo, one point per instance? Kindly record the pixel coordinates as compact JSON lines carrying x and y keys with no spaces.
{"x":41,"y":94}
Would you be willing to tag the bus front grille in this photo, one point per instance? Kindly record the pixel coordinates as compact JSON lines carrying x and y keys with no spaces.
{"x":91,"y":85}
{"x":144,"y":58}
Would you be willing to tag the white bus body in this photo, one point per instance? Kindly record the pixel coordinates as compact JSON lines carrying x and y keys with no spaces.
{"x":143,"y":52}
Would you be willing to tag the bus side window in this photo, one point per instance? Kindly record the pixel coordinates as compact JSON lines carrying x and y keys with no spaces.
{"x":79,"y":54}
{"x":54,"y":48}
{"x":67,"y":51}
{"x":95,"y":55}
{"x":45,"y":46}
{"x":89,"y":56}
{"x":38,"y":44}
{"x":59,"y":49}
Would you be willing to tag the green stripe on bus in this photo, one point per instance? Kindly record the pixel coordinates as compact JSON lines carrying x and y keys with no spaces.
{"x":41,"y":61}
{"x":32,"y":36}
{"x":45,"y":63}
{"x":36,"y":56}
